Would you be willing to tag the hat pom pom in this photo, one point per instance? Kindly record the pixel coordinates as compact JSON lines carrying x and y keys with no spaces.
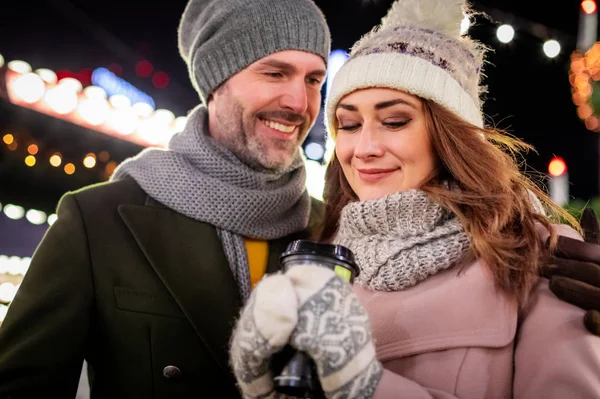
{"x":444,"y":16}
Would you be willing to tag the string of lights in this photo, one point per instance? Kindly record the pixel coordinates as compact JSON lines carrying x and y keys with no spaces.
{"x":517,"y":24}
{"x":34,"y":153}
{"x":12,"y":270}
{"x":33,"y":216}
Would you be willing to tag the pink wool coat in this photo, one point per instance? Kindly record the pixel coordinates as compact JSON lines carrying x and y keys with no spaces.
{"x":455,"y":335}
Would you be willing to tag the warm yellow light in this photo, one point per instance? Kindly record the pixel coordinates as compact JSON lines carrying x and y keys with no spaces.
{"x":585,"y":111}
{"x":586,"y":90}
{"x":578,"y":66}
{"x":581,"y":80}
{"x":55,"y":160}
{"x":591,"y":123}
{"x":557,"y":167}
{"x":29,"y":160}
{"x":588,"y":6}
{"x":8,"y":139}
{"x":89,"y":161}
{"x":69,"y":168}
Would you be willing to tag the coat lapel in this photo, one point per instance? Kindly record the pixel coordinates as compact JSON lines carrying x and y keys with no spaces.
{"x":188,"y":257}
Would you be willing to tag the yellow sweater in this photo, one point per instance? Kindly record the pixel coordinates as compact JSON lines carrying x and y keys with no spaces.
{"x":258,"y":253}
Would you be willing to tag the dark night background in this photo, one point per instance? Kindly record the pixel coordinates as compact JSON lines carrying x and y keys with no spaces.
{"x":529,"y":94}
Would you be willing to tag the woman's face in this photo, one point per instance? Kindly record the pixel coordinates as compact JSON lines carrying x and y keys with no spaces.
{"x":382,"y":142}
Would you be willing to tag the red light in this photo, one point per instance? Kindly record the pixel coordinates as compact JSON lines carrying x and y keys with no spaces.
{"x":160,"y":80}
{"x":63,"y":73}
{"x":84,"y":76}
{"x":588,"y":6}
{"x":144,"y":69}
{"x":557,"y":167}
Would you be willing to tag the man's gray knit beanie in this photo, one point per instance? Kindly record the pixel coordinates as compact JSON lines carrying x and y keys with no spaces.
{"x":219,"y":38}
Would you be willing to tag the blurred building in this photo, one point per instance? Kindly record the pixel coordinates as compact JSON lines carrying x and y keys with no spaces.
{"x":59,"y":135}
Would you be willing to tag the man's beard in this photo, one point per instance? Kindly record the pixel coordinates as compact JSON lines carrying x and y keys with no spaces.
{"x":239,"y":136}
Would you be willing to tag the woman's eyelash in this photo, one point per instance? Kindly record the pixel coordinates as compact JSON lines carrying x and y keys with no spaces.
{"x":388,"y":124}
{"x":349,"y":127}
{"x":397,"y":124}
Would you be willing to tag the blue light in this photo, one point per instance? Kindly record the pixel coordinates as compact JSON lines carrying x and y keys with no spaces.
{"x":337,"y":58}
{"x":113,"y":84}
{"x":314,"y":151}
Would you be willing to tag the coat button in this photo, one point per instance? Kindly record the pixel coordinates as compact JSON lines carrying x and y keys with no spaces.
{"x":172,"y":373}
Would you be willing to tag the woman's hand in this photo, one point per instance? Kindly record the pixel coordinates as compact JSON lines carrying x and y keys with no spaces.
{"x":316,"y":312}
{"x":333,"y":328}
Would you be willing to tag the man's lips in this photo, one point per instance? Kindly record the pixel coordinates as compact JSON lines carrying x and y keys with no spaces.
{"x":279,"y":130}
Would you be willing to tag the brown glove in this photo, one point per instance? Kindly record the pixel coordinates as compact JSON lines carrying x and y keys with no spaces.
{"x":574,"y":271}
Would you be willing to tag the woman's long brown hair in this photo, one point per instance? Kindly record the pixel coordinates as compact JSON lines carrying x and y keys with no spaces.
{"x":492,"y":202}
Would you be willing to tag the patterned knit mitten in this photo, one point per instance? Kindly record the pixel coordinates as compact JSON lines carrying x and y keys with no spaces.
{"x":334,"y":329}
{"x":264,"y":328}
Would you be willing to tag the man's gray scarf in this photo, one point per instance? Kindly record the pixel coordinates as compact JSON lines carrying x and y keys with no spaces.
{"x":200,"y":179}
{"x":400,"y":239}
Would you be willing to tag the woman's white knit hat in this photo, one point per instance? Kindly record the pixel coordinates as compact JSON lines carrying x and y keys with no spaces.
{"x":418,"y":48}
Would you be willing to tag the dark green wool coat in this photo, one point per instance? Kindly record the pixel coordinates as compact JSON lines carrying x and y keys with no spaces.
{"x":142,"y":292}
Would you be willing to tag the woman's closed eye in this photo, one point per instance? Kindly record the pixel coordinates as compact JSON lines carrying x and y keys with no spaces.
{"x":396,"y":124}
{"x":349,"y":126}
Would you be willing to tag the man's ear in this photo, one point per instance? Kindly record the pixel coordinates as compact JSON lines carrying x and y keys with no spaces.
{"x":210,"y":101}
